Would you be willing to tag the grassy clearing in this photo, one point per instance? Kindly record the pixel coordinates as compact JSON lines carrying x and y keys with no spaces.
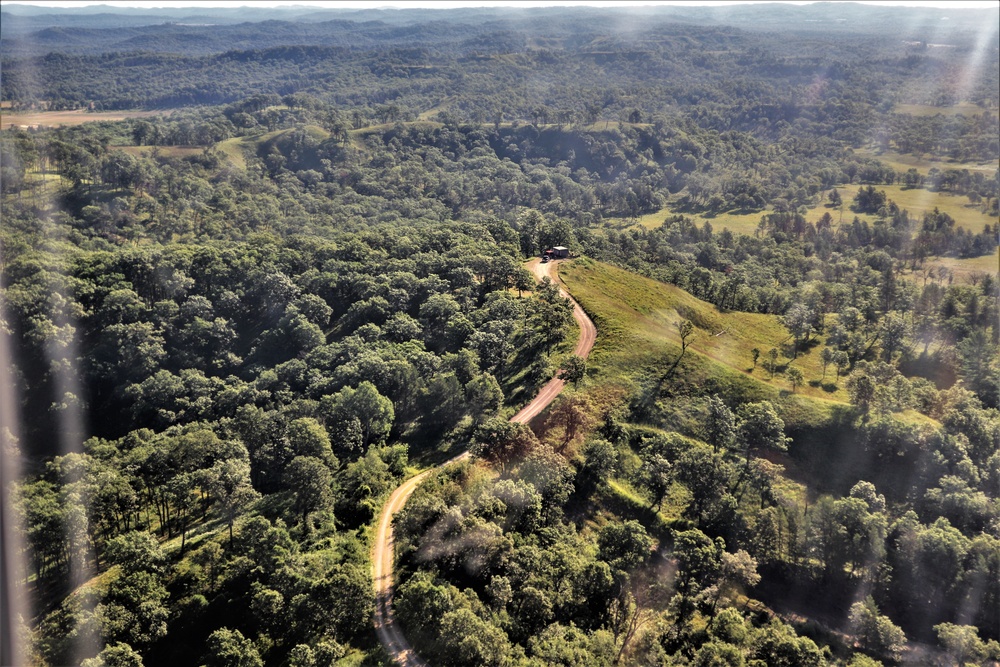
{"x":40,"y":187}
{"x":314,"y":131}
{"x":902,"y":162}
{"x":960,"y":109}
{"x":443,"y":105}
{"x":235,"y":149}
{"x":381,"y":128}
{"x":636,"y":317}
{"x":738,"y":223}
{"x":962,"y":269}
{"x":73,"y":117}
{"x":917,"y":201}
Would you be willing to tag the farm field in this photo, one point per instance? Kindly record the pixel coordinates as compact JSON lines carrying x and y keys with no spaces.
{"x":73,"y":117}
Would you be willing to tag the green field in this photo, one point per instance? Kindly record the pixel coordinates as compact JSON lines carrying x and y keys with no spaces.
{"x":636,"y":316}
{"x":917,"y":201}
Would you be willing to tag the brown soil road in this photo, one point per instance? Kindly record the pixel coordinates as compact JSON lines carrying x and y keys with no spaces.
{"x":383,"y":552}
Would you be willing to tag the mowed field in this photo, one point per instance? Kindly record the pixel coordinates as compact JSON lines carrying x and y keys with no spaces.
{"x":73,"y":117}
{"x":916,"y":200}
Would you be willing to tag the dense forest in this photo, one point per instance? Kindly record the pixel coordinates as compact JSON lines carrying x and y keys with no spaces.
{"x":292,"y":275}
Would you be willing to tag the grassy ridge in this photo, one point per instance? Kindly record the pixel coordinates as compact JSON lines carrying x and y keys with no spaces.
{"x":165,"y":151}
{"x":637,"y":343}
{"x":237,"y":147}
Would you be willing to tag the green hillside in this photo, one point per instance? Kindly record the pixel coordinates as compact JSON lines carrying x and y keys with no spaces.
{"x":636,"y":318}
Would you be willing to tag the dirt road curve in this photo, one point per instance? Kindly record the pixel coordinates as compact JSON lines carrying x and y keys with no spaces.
{"x":388,"y":630}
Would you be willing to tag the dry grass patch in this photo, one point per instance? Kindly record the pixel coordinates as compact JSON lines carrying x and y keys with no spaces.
{"x":738,"y":223}
{"x":960,"y":109}
{"x":73,"y":117}
{"x":903,"y":162}
{"x":961,"y":269}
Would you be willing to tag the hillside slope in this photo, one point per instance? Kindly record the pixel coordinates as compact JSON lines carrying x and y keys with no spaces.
{"x":637,"y":317}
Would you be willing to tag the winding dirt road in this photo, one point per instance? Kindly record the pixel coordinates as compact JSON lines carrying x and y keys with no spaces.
{"x":388,"y":630}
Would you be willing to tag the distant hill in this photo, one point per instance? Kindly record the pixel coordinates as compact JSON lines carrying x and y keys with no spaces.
{"x":25,"y":30}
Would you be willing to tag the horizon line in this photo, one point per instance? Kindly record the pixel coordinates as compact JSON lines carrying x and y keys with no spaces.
{"x":475,"y":4}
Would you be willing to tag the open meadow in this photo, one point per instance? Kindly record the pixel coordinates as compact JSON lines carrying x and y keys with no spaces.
{"x":903,"y":162}
{"x":917,"y":201}
{"x":70,"y":117}
{"x":636,"y":320}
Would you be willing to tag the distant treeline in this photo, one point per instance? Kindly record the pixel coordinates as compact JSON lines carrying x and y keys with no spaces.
{"x":722,"y":79}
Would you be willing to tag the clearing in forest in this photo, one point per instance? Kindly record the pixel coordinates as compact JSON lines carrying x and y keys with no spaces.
{"x":636,"y":320}
{"x":962,"y":270}
{"x":70,"y":117}
{"x":903,"y":162}
{"x":960,"y":109}
{"x":915,"y":200}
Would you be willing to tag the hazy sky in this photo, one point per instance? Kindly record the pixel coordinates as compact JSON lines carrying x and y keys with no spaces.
{"x":448,"y":4}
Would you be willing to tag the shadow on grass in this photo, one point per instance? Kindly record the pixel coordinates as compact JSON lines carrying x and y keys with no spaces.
{"x":826,"y":386}
{"x":593,"y":497}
